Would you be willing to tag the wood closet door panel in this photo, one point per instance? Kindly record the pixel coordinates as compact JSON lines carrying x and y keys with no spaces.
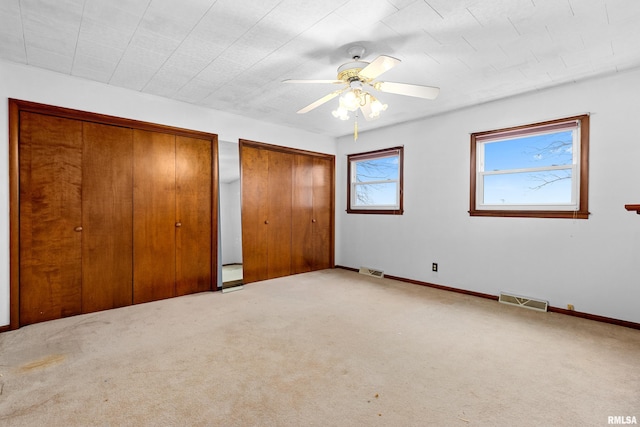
{"x":107,"y":217}
{"x":254,"y":176}
{"x":279,"y":214}
{"x":302,"y":251}
{"x":50,"y":153}
{"x":322,"y":213}
{"x":193,"y":212}
{"x":154,"y":224}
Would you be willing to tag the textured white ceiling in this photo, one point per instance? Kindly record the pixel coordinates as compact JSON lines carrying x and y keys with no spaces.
{"x":232,"y":55}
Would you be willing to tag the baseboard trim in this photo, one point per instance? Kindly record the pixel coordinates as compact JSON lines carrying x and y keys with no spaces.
{"x":580,"y":314}
{"x":595,"y":317}
{"x":5,"y":328}
{"x":430,"y":285}
{"x":444,"y":288}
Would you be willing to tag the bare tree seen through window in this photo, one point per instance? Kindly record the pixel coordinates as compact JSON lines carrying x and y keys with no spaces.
{"x":371,"y":174}
{"x":375,"y":182}
{"x":560,"y":151}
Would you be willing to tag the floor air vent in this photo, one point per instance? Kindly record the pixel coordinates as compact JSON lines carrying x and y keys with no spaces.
{"x":371,"y":272}
{"x":526,"y":302}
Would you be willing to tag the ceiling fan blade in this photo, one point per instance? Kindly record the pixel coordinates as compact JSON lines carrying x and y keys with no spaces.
{"x":426,"y":92}
{"x":378,"y":66}
{"x":312,"y":81}
{"x":366,"y":112}
{"x":321,"y":101}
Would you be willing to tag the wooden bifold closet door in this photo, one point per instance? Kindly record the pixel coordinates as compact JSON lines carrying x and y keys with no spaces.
{"x":109,"y":215}
{"x":287,"y":211}
{"x":50,"y":214}
{"x":172,"y":216}
{"x":154,"y":216}
{"x":194,"y":207}
{"x":107,"y":187}
{"x":75,"y":223}
{"x":266,"y":214}
{"x":312,"y":214}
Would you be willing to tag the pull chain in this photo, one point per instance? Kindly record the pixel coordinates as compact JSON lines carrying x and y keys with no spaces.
{"x":355,"y":127}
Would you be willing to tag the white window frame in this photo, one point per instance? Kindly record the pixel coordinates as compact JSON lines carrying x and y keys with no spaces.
{"x":576,"y":208}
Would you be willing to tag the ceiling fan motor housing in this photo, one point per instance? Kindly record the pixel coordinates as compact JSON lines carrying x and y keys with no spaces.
{"x":349,"y":72}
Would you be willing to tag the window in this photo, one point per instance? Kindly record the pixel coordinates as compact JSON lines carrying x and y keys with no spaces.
{"x":538,"y":170}
{"x":375,"y":182}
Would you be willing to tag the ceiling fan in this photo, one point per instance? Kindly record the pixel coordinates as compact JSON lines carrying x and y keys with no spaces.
{"x":358,"y":78}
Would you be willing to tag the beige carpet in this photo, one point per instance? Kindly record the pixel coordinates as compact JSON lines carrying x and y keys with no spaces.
{"x":329,"y":348}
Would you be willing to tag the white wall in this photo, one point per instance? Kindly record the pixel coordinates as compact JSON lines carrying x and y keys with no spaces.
{"x":230,"y":223}
{"x":593,"y":264}
{"x":32,"y":84}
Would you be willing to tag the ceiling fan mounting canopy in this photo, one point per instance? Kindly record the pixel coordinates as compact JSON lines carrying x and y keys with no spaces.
{"x":356,"y":52}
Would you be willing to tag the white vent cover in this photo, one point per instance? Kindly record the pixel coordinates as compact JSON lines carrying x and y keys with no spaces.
{"x":526,"y":302}
{"x":371,"y":272}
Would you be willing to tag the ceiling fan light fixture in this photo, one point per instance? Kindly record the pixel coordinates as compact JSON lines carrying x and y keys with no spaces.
{"x":356,"y":99}
{"x":377,"y":107}
{"x":341,"y":113}
{"x":351,"y":100}
{"x":358,"y":75}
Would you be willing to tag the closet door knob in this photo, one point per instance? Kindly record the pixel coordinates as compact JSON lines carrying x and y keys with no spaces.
{"x":77,"y":228}
{"x":266,"y":222}
{"x":178,"y":224}
{"x":313,"y":220}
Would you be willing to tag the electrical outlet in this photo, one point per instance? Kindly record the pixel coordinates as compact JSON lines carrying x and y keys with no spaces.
{"x":434,"y":266}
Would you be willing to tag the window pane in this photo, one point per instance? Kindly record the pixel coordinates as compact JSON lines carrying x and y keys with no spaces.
{"x":375,"y":182}
{"x":552,"y":149}
{"x":377,"y":169}
{"x":548,"y":187}
{"x":376,"y":194}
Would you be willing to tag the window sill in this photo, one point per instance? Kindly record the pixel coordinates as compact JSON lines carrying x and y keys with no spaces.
{"x":375,"y":211}
{"x":531,"y":214}
{"x":632,"y":208}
